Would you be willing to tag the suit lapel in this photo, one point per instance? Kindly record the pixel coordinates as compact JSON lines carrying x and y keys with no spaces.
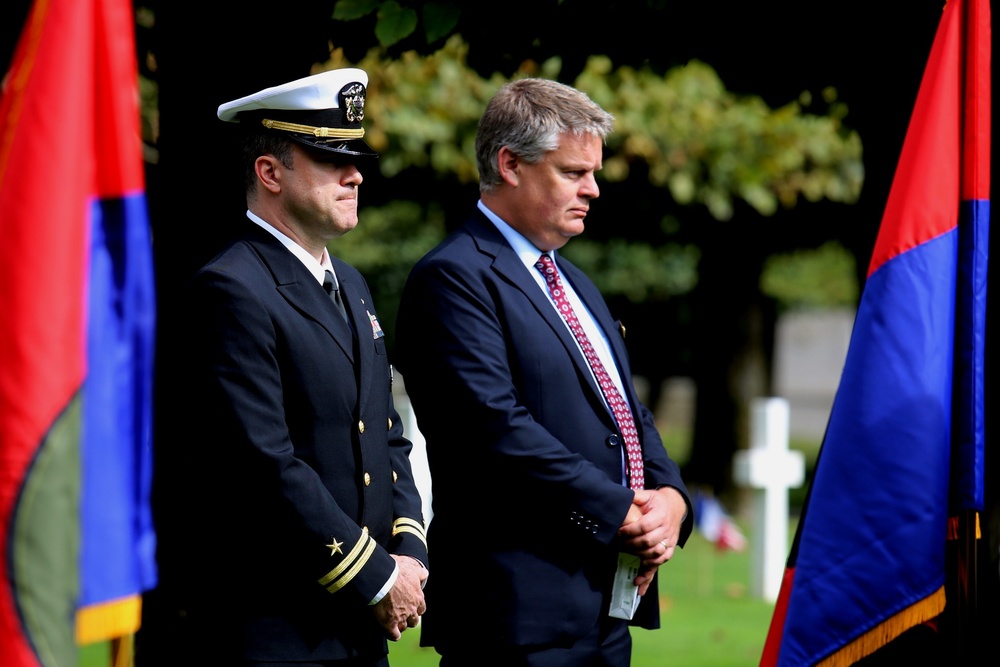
{"x":507,"y":264}
{"x":297,"y":286}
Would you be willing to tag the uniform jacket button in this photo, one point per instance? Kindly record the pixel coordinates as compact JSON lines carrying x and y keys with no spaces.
{"x":361,"y":426}
{"x":368,"y":479}
{"x":613,"y":440}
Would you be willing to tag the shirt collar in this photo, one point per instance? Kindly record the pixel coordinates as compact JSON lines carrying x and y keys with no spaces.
{"x":318,"y":269}
{"x":525,"y":249}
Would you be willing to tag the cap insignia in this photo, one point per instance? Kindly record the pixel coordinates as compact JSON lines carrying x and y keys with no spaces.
{"x":353,"y":97}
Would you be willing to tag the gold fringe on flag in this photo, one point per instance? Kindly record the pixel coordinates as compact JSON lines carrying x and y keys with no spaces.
{"x":108,"y":620}
{"x":921,"y":612}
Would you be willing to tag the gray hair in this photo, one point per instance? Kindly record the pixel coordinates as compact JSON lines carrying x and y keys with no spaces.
{"x":527,"y":116}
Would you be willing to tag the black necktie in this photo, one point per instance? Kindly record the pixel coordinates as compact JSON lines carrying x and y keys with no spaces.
{"x":330,"y":285}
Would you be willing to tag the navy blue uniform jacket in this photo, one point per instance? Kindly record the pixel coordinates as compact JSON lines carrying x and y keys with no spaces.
{"x":298,"y":465}
{"x":525,"y":460}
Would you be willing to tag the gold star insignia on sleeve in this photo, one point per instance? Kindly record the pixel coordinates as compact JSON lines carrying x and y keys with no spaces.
{"x":335,"y":547}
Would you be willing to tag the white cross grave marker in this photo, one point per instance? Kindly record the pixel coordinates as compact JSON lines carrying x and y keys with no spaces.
{"x":772,"y":469}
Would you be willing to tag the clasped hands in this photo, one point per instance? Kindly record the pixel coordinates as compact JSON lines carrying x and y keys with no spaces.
{"x":403,"y":605}
{"x":651,"y":530}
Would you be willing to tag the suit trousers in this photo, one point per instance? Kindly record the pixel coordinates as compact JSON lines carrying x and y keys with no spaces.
{"x":609,"y":644}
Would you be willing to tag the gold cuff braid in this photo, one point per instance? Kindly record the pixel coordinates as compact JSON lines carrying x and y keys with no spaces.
{"x":405,"y":525}
{"x":351,"y":564}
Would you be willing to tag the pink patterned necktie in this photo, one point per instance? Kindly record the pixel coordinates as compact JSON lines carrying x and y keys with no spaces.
{"x":620,"y":408}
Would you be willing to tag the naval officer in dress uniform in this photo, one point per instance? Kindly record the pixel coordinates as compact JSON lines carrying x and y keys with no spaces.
{"x":302,"y":535}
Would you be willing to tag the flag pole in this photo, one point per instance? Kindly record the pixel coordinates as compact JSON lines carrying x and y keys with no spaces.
{"x":965,"y":610}
{"x":970,"y":418}
{"x":121,"y":651}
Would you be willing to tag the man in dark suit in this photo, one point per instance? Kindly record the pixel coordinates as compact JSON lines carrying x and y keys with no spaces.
{"x":549,"y":480}
{"x":302,"y":528}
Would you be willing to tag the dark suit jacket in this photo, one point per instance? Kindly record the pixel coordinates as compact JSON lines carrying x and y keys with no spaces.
{"x":526,"y":462}
{"x":298,"y":482}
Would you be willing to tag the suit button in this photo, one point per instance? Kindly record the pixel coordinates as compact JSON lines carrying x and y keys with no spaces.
{"x":390,"y":423}
{"x":613,"y":440}
{"x":361,"y":426}
{"x":368,"y":479}
{"x":394,"y":477}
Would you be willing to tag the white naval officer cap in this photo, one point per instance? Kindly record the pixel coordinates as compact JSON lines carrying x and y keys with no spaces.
{"x":322,"y":111}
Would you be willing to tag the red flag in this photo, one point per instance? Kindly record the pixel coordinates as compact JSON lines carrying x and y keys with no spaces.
{"x":76,"y":539}
{"x":903,"y":452}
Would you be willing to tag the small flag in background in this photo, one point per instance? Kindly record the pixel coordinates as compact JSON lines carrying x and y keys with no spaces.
{"x":716,"y":525}
{"x":903,"y":452}
{"x":76,"y":337}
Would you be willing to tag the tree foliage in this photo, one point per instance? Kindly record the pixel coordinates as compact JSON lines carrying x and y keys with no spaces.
{"x":691,"y":140}
{"x":709,"y":146}
{"x":812,"y":277}
{"x":396,"y":21}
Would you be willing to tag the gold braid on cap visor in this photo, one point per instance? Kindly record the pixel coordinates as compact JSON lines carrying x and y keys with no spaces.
{"x":334,"y":132}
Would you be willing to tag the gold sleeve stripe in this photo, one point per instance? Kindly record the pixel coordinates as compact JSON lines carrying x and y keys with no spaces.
{"x":404,"y":521}
{"x":364,"y":542}
{"x":404,"y":525}
{"x":407,"y":529}
{"x":351,"y":573}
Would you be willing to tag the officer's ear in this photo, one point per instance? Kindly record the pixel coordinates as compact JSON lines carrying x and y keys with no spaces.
{"x":269,"y":172}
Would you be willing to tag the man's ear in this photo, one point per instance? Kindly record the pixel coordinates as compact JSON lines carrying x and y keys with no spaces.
{"x":509,"y":166}
{"x":268,"y":170}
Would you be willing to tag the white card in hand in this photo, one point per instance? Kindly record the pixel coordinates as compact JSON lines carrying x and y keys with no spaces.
{"x":624,"y":593}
